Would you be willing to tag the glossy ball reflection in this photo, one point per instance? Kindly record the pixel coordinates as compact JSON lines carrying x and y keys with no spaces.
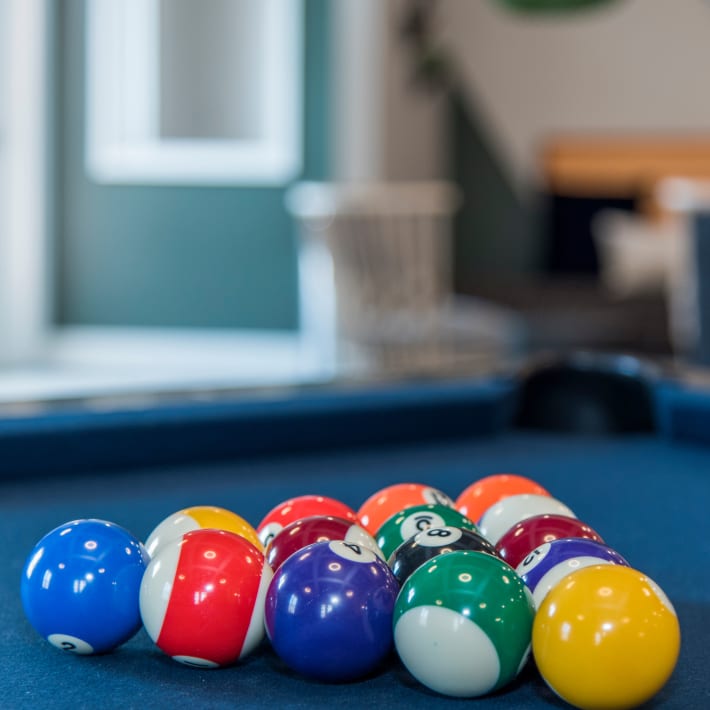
{"x":329,"y":611}
{"x":199,"y":517}
{"x":80,"y":586}
{"x":606,"y":637}
{"x":410,"y":521}
{"x":317,"y":528}
{"x":390,"y":500}
{"x":413,"y":553}
{"x":521,"y":539}
{"x":475,"y":499}
{"x":462,"y":624}
{"x":547,"y":565}
{"x":510,"y":511}
{"x":202,"y":598}
{"x":304,"y":506}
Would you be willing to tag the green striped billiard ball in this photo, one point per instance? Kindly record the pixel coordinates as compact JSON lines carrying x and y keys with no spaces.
{"x":463,"y":624}
{"x":408,"y":522}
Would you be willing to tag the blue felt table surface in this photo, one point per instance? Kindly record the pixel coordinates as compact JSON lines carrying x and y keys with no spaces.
{"x":647,"y":497}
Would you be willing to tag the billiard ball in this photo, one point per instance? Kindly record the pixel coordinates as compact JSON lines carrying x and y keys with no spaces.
{"x":392,"y":499}
{"x":202,"y":598}
{"x":318,"y":528}
{"x":548,"y":564}
{"x":408,"y":522}
{"x":304,"y":506}
{"x":80,"y":585}
{"x":197,"y":518}
{"x":501,"y":516}
{"x":474,"y":500}
{"x":420,"y":548}
{"x":462,"y":624}
{"x":520,"y":540}
{"x":606,"y":637}
{"x":329,"y":611}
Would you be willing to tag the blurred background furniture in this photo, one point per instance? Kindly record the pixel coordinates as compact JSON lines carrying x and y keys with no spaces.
{"x":620,"y":264}
{"x":376,"y":280}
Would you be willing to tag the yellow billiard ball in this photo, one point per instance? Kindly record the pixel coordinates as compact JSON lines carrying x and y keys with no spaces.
{"x":606,"y":637}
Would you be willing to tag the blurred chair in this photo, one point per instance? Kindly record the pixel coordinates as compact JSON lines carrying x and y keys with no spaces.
{"x":375,"y":262}
{"x":665,"y":250}
{"x":685,"y":209}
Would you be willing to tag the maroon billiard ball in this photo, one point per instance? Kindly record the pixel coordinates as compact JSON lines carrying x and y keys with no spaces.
{"x":515,"y":545}
{"x":317,"y":528}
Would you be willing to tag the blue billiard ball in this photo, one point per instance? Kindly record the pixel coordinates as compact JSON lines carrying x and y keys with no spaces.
{"x":329,"y":611}
{"x":80,"y":586}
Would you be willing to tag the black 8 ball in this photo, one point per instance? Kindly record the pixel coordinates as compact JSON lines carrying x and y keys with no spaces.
{"x":420,"y":548}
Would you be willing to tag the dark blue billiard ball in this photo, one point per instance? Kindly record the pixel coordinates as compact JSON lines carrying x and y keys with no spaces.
{"x":80,"y":586}
{"x":329,"y":611}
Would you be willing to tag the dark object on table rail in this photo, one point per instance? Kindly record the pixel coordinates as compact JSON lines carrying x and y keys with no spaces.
{"x":589,"y":394}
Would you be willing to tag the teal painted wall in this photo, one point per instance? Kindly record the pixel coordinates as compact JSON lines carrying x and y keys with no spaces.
{"x":176,"y":256}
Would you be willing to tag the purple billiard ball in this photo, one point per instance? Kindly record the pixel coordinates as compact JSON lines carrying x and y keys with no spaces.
{"x":329,"y":610}
{"x":551,"y":562}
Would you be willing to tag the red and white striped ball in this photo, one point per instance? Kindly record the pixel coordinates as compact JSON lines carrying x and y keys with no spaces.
{"x":202,"y":598}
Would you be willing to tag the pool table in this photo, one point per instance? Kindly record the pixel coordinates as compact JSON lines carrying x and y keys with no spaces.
{"x":624,"y":444}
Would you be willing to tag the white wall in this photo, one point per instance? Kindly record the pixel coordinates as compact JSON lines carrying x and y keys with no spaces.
{"x":383,"y":129}
{"x":414,"y":117}
{"x":628,"y":66}
{"x":4,"y":69}
{"x":631,"y":66}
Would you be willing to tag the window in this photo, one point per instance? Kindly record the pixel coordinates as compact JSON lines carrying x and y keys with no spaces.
{"x":152,"y":132}
{"x":177,"y":95}
{"x":23,"y":194}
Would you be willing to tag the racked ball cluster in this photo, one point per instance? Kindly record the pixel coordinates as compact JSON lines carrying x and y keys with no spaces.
{"x":604,"y":635}
{"x":462,"y":589}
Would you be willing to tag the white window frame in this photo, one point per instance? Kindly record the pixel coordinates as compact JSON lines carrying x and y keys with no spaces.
{"x":24,"y":203}
{"x":123,"y":145}
{"x":41,"y":361}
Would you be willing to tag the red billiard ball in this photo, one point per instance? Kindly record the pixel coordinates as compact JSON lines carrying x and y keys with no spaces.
{"x":202,"y":598}
{"x":294,"y":509}
{"x":318,"y":528}
{"x":392,"y":499}
{"x":525,"y":536}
